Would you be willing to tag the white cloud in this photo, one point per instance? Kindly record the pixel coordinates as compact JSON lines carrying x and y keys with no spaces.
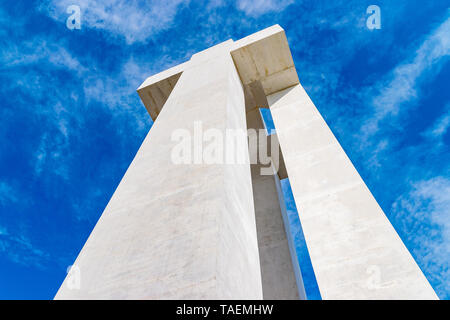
{"x":115,"y":91}
{"x":423,"y":214}
{"x":7,"y":194}
{"x":38,"y":50}
{"x":430,"y":199}
{"x":440,"y":126}
{"x":258,"y":7}
{"x":20,"y":249}
{"x":52,"y":55}
{"x":135,"y":20}
{"x":401,"y":85}
{"x":54,"y":150}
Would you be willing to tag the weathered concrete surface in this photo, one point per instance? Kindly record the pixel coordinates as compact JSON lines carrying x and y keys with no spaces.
{"x":355,"y":251}
{"x":265,"y":56}
{"x":182,"y":231}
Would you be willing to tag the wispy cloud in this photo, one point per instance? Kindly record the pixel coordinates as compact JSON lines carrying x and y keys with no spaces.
{"x":7,"y":193}
{"x":424,"y":216}
{"x":37,"y":51}
{"x":53,"y":152}
{"x":259,"y":7}
{"x":401,"y":85}
{"x":60,"y":108}
{"x":440,"y":126}
{"x":20,"y":249}
{"x":134,"y":20}
{"x":16,"y":246}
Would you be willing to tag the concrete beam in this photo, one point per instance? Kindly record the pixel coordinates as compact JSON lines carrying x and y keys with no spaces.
{"x":155,"y":90}
{"x":263,"y":61}
{"x":265,"y":56}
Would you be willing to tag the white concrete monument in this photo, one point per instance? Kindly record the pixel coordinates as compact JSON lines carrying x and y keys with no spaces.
{"x":214,"y":229}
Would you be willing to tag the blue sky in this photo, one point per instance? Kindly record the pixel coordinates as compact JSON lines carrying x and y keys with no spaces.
{"x":71,"y":120}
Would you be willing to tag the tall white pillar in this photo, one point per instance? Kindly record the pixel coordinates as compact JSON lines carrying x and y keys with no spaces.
{"x":180,"y":231}
{"x":355,"y":251}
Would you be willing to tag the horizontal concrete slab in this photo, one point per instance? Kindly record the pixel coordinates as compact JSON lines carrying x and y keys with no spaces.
{"x":263,"y":61}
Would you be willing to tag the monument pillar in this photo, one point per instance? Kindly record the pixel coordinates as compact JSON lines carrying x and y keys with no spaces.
{"x":354,"y":249}
{"x":180,"y":230}
{"x":180,"y":227}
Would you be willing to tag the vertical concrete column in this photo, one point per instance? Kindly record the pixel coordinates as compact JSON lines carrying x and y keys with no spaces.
{"x":180,"y":231}
{"x":278,"y":278}
{"x":355,"y":251}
